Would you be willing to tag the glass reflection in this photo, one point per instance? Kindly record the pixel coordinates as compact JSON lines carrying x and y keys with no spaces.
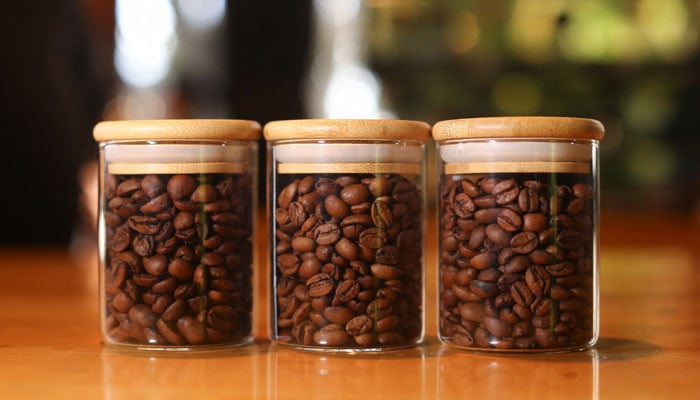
{"x":501,"y":376}
{"x":162,"y":375}
{"x":400,"y":373}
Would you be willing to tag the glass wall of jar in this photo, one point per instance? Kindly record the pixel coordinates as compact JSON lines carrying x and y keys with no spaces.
{"x":518,"y":232}
{"x":347,"y":233}
{"x":176,"y":228}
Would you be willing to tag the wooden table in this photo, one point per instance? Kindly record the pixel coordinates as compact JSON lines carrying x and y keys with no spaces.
{"x":50,"y":344}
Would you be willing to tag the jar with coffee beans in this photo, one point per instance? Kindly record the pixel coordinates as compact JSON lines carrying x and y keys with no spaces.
{"x":518,"y":233}
{"x":347,"y":233}
{"x":176,"y":227}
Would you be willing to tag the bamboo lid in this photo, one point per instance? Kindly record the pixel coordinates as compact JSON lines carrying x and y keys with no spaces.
{"x":177,"y":129}
{"x":519,"y":127}
{"x":368,"y":129}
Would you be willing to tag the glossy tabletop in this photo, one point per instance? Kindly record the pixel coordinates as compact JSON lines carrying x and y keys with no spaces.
{"x":50,"y":345}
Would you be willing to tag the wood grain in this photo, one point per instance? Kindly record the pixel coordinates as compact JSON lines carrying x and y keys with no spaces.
{"x":50,"y":345}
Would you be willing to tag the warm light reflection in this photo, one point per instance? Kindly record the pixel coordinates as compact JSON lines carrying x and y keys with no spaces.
{"x":337,"y":12}
{"x":145,"y":41}
{"x":202,"y":14}
{"x":533,"y":26}
{"x":462,"y":33}
{"x":599,"y":32}
{"x":352,"y":92}
{"x":665,"y":26}
{"x":340,"y":84}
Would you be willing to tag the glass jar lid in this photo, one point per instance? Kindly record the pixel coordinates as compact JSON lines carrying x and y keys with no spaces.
{"x":177,"y":129}
{"x":359,"y":129}
{"x":518,"y":127}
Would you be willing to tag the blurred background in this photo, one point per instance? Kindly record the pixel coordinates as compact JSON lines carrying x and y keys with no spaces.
{"x":67,"y":64}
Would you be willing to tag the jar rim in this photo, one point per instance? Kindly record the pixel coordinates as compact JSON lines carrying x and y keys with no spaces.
{"x":177,"y":129}
{"x":330,"y":129}
{"x":518,"y":127}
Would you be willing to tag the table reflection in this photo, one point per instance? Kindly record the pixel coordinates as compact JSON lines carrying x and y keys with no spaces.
{"x":532,"y":376}
{"x":202,"y":374}
{"x":319,"y":375}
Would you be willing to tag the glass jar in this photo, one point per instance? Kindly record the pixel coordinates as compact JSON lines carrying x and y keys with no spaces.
{"x":176,"y":228}
{"x":518,"y":232}
{"x":347,"y":233}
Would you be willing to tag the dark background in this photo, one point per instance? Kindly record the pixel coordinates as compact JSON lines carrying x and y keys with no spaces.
{"x":435,"y":60}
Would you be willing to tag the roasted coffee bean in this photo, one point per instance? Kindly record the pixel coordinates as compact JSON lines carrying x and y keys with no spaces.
{"x":528,"y":200}
{"x":364,"y":231}
{"x":331,"y":335}
{"x":379,"y":308}
{"x":181,"y":186}
{"x":535,"y":222}
{"x":498,"y":235}
{"x":483,"y":260}
{"x":379,"y":186}
{"x":561,"y":269}
{"x":582,"y":191}
{"x":327,"y":234}
{"x":192,"y":330}
{"x":355,"y":194}
{"x":338,"y":314}
{"x":181,"y":269}
{"x":152,"y":185}
{"x":541,"y":306}
{"x":319,"y":285}
{"x":509,"y":220}
{"x":506,"y":191}
{"x":373,"y":238}
{"x":524,"y":242}
{"x":483,"y":289}
{"x":161,"y":257}
{"x":516,"y":261}
{"x":359,"y":325}
{"x":144,"y":224}
{"x":476,"y":237}
{"x":385,"y":272}
{"x":472,"y":311}
{"x":170,"y":333}
{"x":336,"y":207}
{"x":463,"y":205}
{"x":128,"y":187}
{"x":347,"y":290}
{"x":487,"y":215}
{"x":122,"y":302}
{"x":496,"y":327}
{"x":381,"y":214}
{"x":143,"y":315}
{"x":538,"y":280}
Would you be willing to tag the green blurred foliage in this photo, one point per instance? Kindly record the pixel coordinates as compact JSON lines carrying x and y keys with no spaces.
{"x":634,"y":65}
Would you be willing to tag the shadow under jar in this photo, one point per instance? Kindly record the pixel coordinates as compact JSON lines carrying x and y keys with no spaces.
{"x":177,"y":200}
{"x":518,"y":233}
{"x":347,"y":230}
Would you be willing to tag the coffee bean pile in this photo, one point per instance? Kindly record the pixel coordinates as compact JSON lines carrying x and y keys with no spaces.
{"x":178,"y":259}
{"x":348,"y":269}
{"x":516,"y":262}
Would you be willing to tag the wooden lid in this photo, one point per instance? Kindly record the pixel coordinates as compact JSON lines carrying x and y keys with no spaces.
{"x":370,"y":129}
{"x":177,"y":129}
{"x":519,"y":127}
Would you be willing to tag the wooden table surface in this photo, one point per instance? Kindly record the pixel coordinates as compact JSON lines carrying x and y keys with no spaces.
{"x":50,"y":345}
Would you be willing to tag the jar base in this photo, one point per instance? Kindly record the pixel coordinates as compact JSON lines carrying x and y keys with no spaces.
{"x":550,"y":350}
{"x":347,"y":350}
{"x":148,"y":348}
